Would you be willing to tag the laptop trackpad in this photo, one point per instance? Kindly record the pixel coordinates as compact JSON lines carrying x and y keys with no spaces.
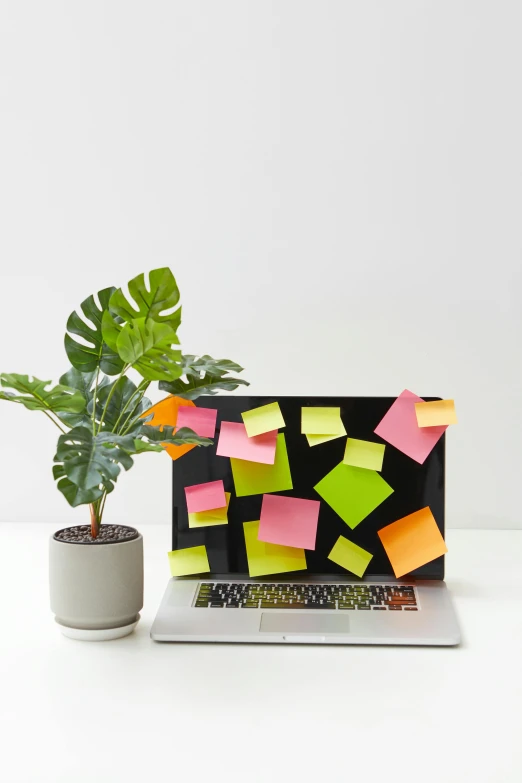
{"x":284,"y":622}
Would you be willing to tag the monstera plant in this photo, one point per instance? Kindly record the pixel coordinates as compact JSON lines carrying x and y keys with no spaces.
{"x":100,"y":412}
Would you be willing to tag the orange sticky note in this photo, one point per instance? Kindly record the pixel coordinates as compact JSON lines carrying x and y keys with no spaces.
{"x":435,"y":414}
{"x":166,"y":412}
{"x":412,"y":541}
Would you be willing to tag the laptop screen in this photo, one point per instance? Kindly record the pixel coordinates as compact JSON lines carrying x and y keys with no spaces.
{"x":414,"y":487}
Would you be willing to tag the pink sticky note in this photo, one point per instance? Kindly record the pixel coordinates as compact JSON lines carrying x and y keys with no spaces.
{"x":203,"y":497}
{"x":399,"y":428}
{"x":234,"y":442}
{"x":201,"y":420}
{"x":288,"y":521}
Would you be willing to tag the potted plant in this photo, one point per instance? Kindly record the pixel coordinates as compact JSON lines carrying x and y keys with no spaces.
{"x":105,"y":420}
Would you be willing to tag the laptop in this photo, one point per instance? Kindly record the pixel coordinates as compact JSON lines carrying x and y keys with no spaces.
{"x":322,"y":603}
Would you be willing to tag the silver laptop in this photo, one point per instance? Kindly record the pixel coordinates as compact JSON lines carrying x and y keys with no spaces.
{"x":322,"y":603}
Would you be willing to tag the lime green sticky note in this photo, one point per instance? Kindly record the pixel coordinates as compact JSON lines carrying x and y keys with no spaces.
{"x":266,"y":558}
{"x":321,"y":421}
{"x":350,"y":556}
{"x":364,"y":454}
{"x":353,"y":493}
{"x":216,"y":516}
{"x":256,"y":478}
{"x":315,"y":440}
{"x":184,"y":562}
{"x":264,"y":419}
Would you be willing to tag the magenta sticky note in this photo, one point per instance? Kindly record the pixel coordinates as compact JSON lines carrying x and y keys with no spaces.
{"x":234,"y":442}
{"x":399,"y":427}
{"x":201,"y":420}
{"x":204,"y":497}
{"x":288,"y":521}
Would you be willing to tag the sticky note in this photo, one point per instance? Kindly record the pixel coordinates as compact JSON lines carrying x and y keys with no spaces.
{"x":234,"y":442}
{"x":364,"y":454}
{"x":350,"y":556}
{"x":353,"y":493}
{"x":289,"y":521}
{"x":203,"y":497}
{"x":254,"y":478}
{"x":214,"y":516}
{"x":399,"y":428}
{"x":201,"y":420}
{"x":434,"y":414}
{"x":412,"y":541}
{"x":320,"y":421}
{"x":264,"y":419}
{"x":184,"y":562}
{"x":316,"y":440}
{"x":166,"y":412}
{"x":266,"y":558}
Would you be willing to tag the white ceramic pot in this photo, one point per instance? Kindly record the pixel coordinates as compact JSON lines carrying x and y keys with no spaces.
{"x":96,"y":588}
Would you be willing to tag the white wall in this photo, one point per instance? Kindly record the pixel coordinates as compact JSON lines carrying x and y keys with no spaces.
{"x":336,"y":185}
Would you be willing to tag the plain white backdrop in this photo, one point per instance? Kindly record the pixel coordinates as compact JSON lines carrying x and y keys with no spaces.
{"x":336,"y":186}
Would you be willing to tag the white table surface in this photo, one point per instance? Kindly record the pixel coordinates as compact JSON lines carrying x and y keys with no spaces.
{"x":134,"y":710}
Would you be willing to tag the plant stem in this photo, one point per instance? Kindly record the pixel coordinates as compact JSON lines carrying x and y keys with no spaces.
{"x":109,"y":396}
{"x":95,"y":521}
{"x":129,"y":421}
{"x":54,"y":422}
{"x":142,"y":388}
{"x":94,"y":402}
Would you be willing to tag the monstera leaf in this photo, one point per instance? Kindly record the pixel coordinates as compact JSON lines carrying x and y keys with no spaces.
{"x":85,"y":383}
{"x":33,"y":393}
{"x":92,"y":461}
{"x":158,"y":437}
{"x":96,"y":353}
{"x":147,"y":347}
{"x":121,"y":392}
{"x":74,"y":495}
{"x":163,"y":295}
{"x":204,"y":375}
{"x":147,"y":304}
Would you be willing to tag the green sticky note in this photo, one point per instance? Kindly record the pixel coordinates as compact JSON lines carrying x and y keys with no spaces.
{"x":256,"y":478}
{"x":350,"y":556}
{"x":364,"y":454}
{"x":264,"y":419}
{"x":266,"y":558}
{"x":321,"y":421}
{"x":193,"y":560}
{"x":353,"y":493}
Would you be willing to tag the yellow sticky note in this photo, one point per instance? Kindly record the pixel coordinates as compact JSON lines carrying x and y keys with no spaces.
{"x":315,"y":440}
{"x":350,"y":556}
{"x":435,"y":414}
{"x":364,"y":454}
{"x":264,"y":419}
{"x":266,"y":558}
{"x":216,"y":516}
{"x":412,"y":541}
{"x":184,"y":562}
{"x":321,"y":421}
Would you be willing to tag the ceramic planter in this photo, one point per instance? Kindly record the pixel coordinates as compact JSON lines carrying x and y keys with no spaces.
{"x":96,"y":588}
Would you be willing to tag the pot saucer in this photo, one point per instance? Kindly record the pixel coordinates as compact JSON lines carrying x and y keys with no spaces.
{"x":101,"y":635}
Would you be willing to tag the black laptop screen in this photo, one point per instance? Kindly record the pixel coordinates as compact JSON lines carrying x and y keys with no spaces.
{"x":415,"y":486}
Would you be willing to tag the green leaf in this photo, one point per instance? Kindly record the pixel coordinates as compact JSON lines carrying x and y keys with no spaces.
{"x":85,"y":383}
{"x":120,"y":404}
{"x":91,"y":461}
{"x":73,"y":494}
{"x":141,"y":445}
{"x":147,"y":346}
{"x":170,"y":436}
{"x":33,"y":393}
{"x":204,"y":375}
{"x":96,"y":353}
{"x":163,"y":295}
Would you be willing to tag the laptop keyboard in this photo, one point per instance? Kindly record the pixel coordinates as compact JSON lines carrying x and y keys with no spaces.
{"x":248,"y":595}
